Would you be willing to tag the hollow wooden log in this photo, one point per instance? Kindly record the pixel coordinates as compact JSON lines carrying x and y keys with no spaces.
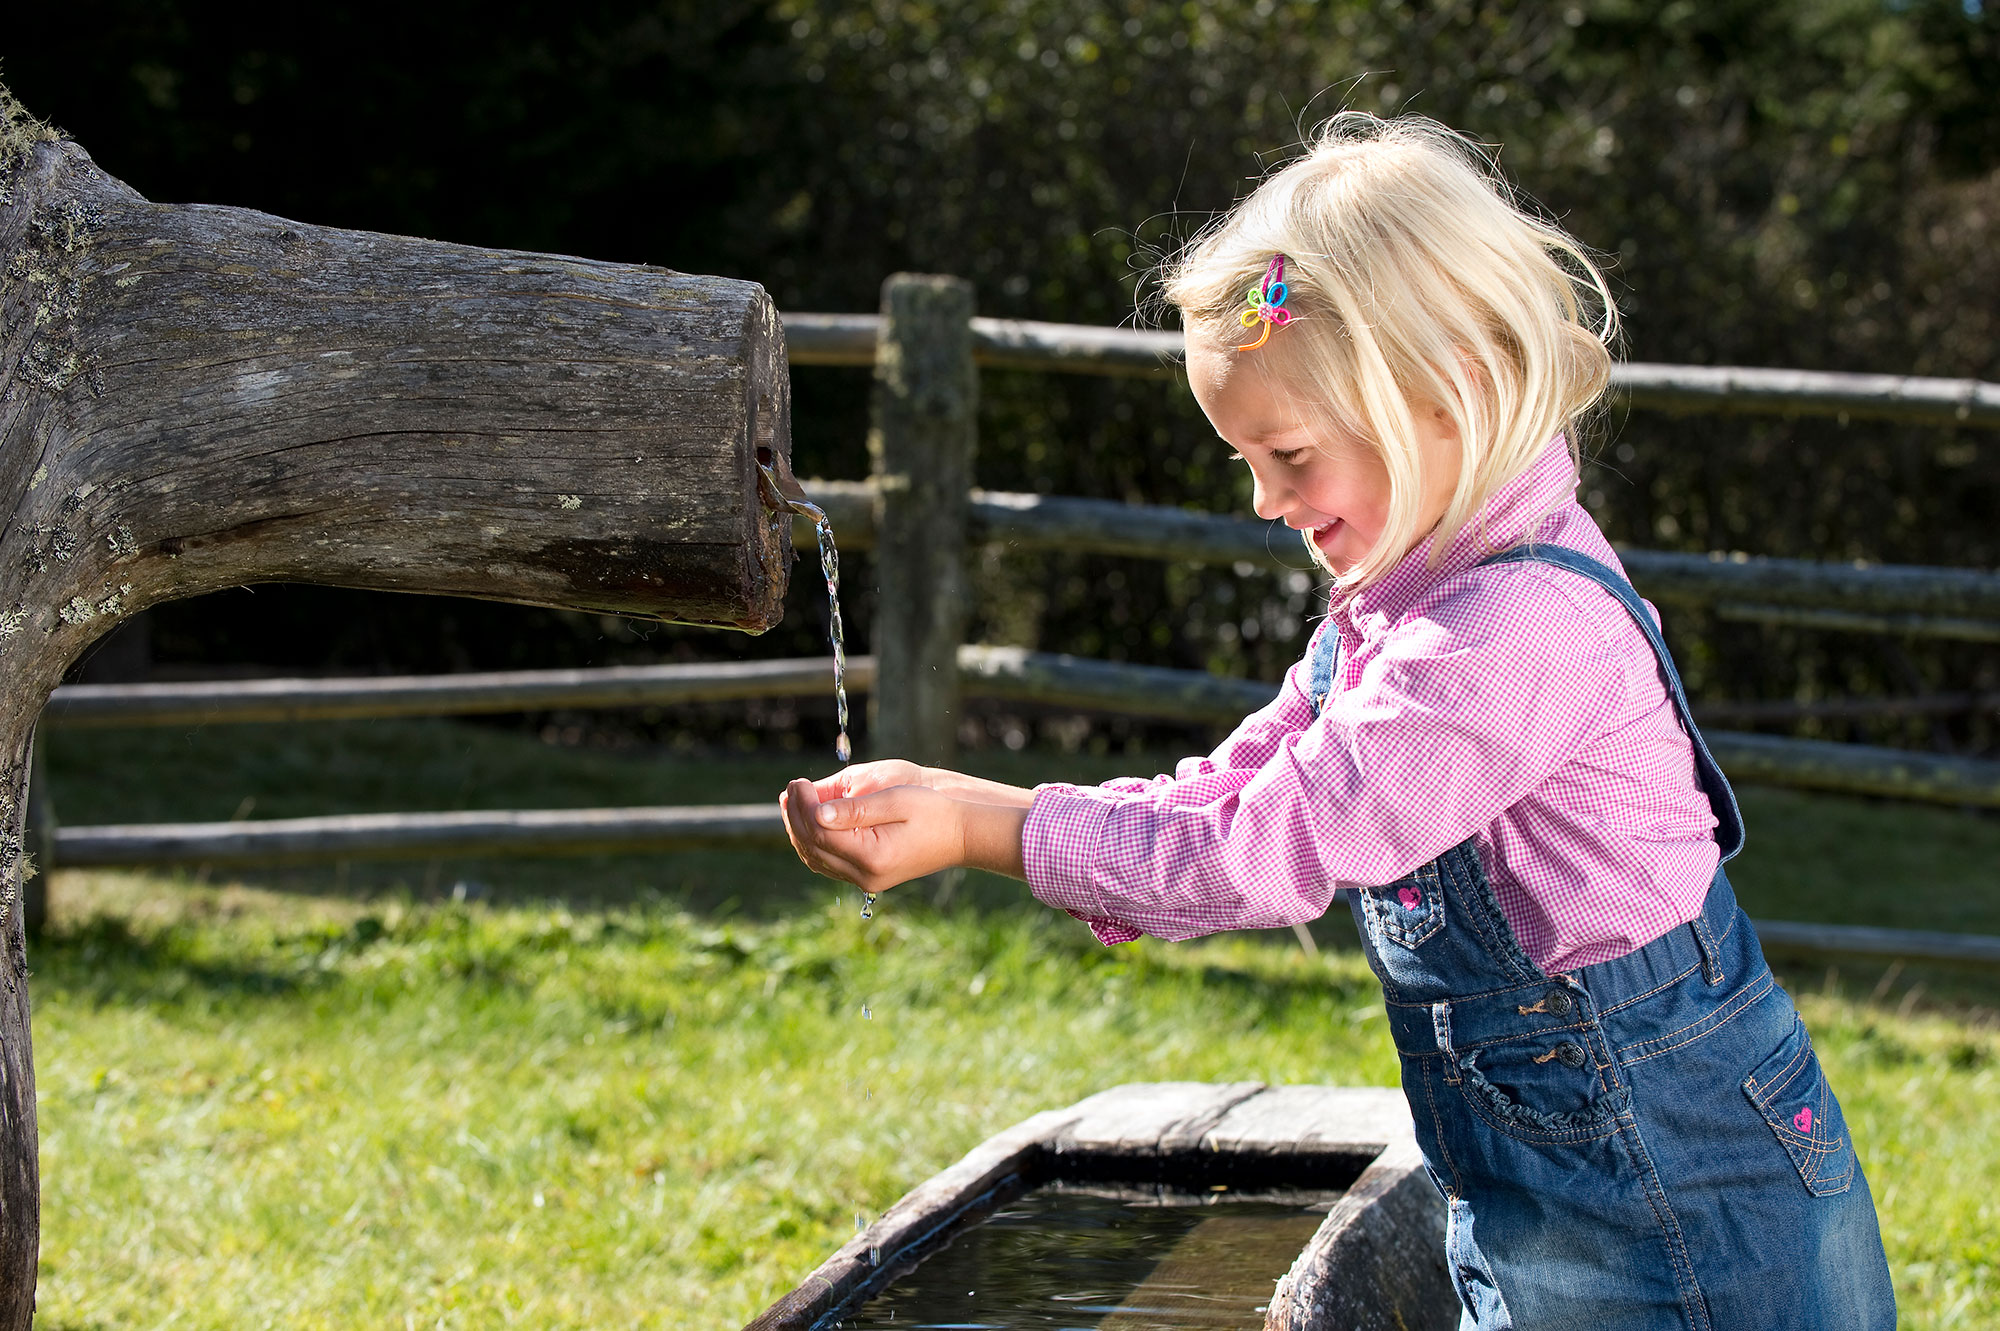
{"x":193,"y":398}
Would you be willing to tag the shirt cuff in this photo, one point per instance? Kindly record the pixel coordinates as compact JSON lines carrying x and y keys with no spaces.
{"x":1058,"y":846}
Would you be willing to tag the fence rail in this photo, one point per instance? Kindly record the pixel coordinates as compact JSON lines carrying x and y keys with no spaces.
{"x":512,"y":832}
{"x":1881,"y":598}
{"x":1952,"y":603}
{"x":1013,"y":674}
{"x":1024,"y":344}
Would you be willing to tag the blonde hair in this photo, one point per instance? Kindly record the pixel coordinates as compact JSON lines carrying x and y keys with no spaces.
{"x":1414,"y":277}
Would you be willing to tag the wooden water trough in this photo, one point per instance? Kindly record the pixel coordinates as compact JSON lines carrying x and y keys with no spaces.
{"x":1376,"y":1263}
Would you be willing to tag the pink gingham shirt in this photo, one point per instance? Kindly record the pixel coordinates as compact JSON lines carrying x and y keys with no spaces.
{"x":1515,"y":704}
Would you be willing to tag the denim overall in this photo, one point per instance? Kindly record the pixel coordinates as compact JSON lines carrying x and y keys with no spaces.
{"x":1643,"y":1143}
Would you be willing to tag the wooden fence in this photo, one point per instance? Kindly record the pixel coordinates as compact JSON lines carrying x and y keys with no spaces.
{"x":919,"y":511}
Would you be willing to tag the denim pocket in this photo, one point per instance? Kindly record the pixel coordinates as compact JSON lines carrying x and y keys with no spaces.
{"x":1544,"y":1090}
{"x":1790,"y":1091}
{"x":1408,"y":911}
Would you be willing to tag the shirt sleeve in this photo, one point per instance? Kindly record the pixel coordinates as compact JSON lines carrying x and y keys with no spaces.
{"x":1469,"y":704}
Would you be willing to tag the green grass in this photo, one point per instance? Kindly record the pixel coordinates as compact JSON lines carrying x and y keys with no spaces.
{"x":642,"y":1091}
{"x":525,"y":1115}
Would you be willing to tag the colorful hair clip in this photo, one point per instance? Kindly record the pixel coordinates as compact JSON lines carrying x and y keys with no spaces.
{"x":1267,"y":303}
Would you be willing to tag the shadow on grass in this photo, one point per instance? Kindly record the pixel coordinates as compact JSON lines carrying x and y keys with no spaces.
{"x":105,"y":960}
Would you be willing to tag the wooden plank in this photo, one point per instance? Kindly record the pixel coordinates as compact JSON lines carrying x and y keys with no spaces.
{"x":1861,"y":941}
{"x":1356,"y":1119}
{"x":1851,"y":621}
{"x":215,"y":702}
{"x":1780,"y":711}
{"x":1856,"y":769}
{"x":1053,"y":680}
{"x":497,"y":832}
{"x":1894,"y":598}
{"x":846,"y":339}
{"x":1107,"y":527}
{"x":1890,"y":589}
{"x":1735,"y":388}
{"x":1148,"y":1118}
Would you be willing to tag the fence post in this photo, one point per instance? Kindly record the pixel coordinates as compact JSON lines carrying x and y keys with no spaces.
{"x":922,"y":436}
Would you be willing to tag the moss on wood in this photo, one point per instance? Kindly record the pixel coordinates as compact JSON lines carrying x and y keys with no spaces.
{"x":19,"y":133}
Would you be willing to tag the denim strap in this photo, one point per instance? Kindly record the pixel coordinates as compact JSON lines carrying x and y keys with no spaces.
{"x":1326,"y":654}
{"x":1728,"y":817}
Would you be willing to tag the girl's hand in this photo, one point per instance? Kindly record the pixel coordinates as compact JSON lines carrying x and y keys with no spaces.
{"x":877,"y":839}
{"x":891,"y":835}
{"x":868,"y":778}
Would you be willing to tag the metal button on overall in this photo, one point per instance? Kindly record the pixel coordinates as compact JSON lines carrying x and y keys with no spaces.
{"x":1560,"y":1003}
{"x":1569,"y":1054}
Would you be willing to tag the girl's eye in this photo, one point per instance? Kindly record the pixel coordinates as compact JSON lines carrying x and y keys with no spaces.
{"x":1288,"y":457}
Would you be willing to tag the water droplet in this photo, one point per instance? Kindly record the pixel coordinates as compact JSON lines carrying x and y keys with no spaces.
{"x":842,"y":749}
{"x":866,"y":1015}
{"x":867,"y":905}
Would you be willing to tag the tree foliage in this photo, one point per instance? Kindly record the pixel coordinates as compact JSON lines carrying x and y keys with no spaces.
{"x":1807,"y":183}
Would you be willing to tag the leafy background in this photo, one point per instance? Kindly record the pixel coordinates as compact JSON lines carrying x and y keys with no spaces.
{"x":1807,"y":183}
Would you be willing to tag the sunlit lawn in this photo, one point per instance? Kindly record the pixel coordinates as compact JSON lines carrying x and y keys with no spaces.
{"x":658,"y":1102}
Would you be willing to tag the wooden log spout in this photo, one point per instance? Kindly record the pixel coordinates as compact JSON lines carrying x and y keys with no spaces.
{"x":193,"y":398}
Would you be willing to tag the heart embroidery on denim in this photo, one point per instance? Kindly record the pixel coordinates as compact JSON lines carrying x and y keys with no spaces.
{"x":1803,"y":1121}
{"x":1410,"y":897}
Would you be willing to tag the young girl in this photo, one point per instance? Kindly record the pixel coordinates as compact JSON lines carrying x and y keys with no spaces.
{"x":1486,"y":745}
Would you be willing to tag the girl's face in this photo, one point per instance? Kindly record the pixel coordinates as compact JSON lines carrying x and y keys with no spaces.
{"x":1334,"y":489}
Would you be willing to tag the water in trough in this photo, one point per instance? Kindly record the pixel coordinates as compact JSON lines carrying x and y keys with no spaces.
{"x":1075,"y":1257}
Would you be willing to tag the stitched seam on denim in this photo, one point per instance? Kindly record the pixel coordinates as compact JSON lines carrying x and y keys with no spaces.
{"x":1519,"y":1037}
{"x":1483,"y":909}
{"x":1710,"y":947}
{"x":1739,"y":1002}
{"x":1444,"y":1147}
{"x":1708,"y":1021}
{"x":1392,"y":927}
{"x":1359,"y":909}
{"x":1695,"y":1310}
{"x":1767,"y":1091}
{"x":1507,"y":991}
{"x":1607,"y":1062}
{"x":1638,"y":998}
{"x":1736,"y":999}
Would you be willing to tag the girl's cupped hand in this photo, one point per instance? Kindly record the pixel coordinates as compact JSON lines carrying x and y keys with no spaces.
{"x":882,"y":823}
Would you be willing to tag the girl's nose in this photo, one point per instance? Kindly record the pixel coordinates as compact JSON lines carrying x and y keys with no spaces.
{"x":1267,"y":501}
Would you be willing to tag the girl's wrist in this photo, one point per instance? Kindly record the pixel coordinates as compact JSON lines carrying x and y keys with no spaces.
{"x":991,"y":836}
{"x":974,"y":789}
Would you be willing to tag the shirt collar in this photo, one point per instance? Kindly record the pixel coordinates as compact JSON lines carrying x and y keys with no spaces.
{"x":1512,"y":513}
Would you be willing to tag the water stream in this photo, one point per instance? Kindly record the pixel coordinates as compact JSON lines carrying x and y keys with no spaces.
{"x":829,"y":563}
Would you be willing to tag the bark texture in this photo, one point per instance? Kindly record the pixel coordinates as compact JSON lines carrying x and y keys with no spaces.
{"x":194,"y":398}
